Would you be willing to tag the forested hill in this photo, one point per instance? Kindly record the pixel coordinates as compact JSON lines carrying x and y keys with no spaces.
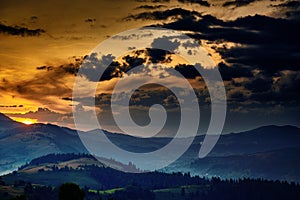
{"x":46,"y":174}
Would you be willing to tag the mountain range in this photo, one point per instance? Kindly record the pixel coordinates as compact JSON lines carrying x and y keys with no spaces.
{"x":270,"y":152}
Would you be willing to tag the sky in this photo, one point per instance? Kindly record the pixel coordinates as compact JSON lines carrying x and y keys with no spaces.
{"x":253,"y":43}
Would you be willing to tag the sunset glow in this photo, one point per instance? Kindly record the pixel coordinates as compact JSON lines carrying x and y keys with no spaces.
{"x":41,"y":53}
{"x":26,"y":121}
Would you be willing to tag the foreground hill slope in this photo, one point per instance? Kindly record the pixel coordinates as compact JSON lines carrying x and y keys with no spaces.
{"x":41,"y":178}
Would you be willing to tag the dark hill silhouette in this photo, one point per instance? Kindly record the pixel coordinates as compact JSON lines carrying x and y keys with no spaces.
{"x":45,"y":176}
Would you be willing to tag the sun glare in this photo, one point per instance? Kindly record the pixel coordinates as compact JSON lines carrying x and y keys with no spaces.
{"x":26,"y":121}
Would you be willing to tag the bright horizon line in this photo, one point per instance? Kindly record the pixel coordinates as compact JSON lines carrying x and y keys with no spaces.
{"x":30,"y":121}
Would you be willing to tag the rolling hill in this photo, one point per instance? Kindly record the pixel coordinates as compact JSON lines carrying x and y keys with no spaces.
{"x":43,"y":176}
{"x":270,"y":151}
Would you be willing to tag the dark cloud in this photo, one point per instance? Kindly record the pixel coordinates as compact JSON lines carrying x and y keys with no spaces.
{"x":132,"y":36}
{"x":48,"y":68}
{"x":288,"y":9}
{"x":293,"y":14}
{"x":151,"y":94}
{"x":227,"y":72}
{"x":92,"y":66}
{"x":140,"y":102}
{"x":158,"y":56}
{"x":90,"y":20}
{"x":189,"y":22}
{"x":269,"y":44}
{"x":188,"y":71}
{"x":270,"y":59}
{"x":67,"y":98}
{"x":154,"y":55}
{"x":143,"y":97}
{"x":41,"y":68}
{"x":288,"y":86}
{"x":259,"y":84}
{"x":45,"y":115}
{"x":20,"y":31}
{"x":33,"y":19}
{"x":266,"y":90}
{"x":11,"y":106}
{"x":200,"y":2}
{"x":272,"y":44}
{"x":238,"y":3}
{"x":162,"y":15}
{"x":289,"y":4}
{"x":154,"y":1}
{"x":234,"y":71}
{"x":150,"y":7}
{"x":40,"y":86}
{"x":133,"y":60}
{"x":69,"y":68}
{"x":44,"y":88}
{"x":244,"y":85}
{"x":165,"y":43}
{"x":171,"y":101}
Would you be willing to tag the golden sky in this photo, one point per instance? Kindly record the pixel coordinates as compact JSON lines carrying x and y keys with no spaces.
{"x":72,"y":29}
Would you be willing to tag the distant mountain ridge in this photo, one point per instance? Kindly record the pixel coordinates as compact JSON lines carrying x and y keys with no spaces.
{"x":21,"y":143}
{"x":4,"y":118}
{"x":8,"y":123}
{"x":282,"y":164}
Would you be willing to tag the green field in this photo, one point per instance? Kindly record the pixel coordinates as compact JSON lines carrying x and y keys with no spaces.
{"x":163,"y":194}
{"x":111,"y":191}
